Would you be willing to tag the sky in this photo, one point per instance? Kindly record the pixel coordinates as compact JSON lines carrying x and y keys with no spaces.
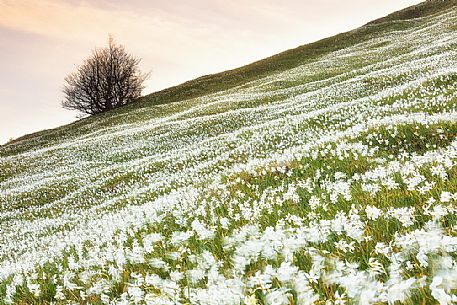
{"x":42,"y":41}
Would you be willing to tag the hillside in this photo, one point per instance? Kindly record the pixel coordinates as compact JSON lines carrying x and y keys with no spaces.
{"x":324,"y":173}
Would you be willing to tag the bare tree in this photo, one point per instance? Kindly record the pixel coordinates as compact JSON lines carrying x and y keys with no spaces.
{"x":108,"y":79}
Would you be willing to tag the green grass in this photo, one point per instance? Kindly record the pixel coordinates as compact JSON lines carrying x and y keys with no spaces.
{"x":294,"y":158}
{"x":210,"y":84}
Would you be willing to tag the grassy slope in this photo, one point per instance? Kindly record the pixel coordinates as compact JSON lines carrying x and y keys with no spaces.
{"x":291,"y":58}
{"x":312,"y":182}
{"x":228,"y":79}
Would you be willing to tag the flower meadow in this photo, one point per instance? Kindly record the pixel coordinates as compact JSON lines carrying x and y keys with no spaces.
{"x":334,"y":182}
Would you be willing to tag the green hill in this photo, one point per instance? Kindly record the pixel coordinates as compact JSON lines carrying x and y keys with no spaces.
{"x":326,"y":173}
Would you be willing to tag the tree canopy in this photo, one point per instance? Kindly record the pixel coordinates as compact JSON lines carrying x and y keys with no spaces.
{"x":108,"y":79}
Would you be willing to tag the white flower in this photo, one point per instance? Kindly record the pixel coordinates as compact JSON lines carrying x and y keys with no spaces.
{"x":159,"y":264}
{"x":105,"y":299}
{"x":286,"y":272}
{"x":445,"y":197}
{"x":260,"y":279}
{"x":373,"y":213}
{"x":291,"y":194}
{"x":250,"y":300}
{"x":149,"y":241}
{"x":59,"y":293}
{"x":340,"y":299}
{"x":375,"y":266}
{"x":438,"y":292}
{"x":67,"y":284}
{"x":439,"y":170}
{"x":176,"y":276}
{"x":34,"y":288}
{"x":202,"y":232}
{"x":444,"y":282}
{"x":305,"y":294}
{"x":136,"y":294}
{"x":178,"y":238}
{"x":153,"y":280}
{"x":404,"y":215}
{"x":314,"y":202}
{"x":344,"y":246}
{"x":278,"y":297}
{"x":381,"y":248}
{"x":400,"y":290}
{"x":225,"y":222}
{"x":195,"y":275}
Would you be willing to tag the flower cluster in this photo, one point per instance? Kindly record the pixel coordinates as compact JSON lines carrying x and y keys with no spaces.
{"x":333,"y":182}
